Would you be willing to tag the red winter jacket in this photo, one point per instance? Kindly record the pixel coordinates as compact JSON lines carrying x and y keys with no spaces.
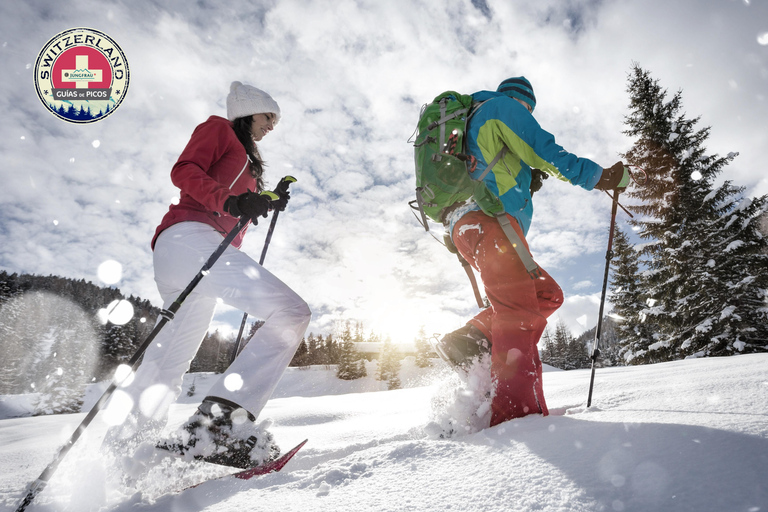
{"x":211,"y":168}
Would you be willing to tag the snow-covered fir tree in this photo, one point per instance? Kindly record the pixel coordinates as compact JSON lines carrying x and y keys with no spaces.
{"x":349,"y":364}
{"x":561,"y":350}
{"x":609,"y":347}
{"x":423,"y":349}
{"x":389,"y":364}
{"x":562,"y":340}
{"x":300,"y":356}
{"x":547,"y":352}
{"x":635,"y":328}
{"x":706,"y":274}
{"x":362,"y":371}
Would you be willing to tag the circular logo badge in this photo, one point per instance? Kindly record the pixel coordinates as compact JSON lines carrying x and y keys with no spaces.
{"x":81,"y":75}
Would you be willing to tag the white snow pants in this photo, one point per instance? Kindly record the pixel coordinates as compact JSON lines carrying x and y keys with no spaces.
{"x":236,"y":280}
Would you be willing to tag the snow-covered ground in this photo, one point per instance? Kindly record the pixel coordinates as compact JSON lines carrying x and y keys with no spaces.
{"x":683,"y":436}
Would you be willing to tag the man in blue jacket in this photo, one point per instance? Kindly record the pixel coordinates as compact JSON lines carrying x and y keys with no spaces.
{"x":509,"y":145}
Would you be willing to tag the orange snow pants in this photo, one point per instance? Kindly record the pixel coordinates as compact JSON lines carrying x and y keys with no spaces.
{"x":517,"y":317}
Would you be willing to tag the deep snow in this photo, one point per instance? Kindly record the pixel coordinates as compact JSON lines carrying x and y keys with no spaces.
{"x":687,"y":435}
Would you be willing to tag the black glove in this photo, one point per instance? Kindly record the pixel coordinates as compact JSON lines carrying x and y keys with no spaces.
{"x":250,"y":204}
{"x":537,"y":179}
{"x":280,"y":204}
{"x":615,"y":177}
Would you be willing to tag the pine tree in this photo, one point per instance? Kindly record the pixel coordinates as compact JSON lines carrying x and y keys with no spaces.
{"x":348,"y":367}
{"x":362,"y":371}
{"x":561,"y":341}
{"x":635,"y":329}
{"x":548,"y":352}
{"x":331,"y":349}
{"x":389,"y":364}
{"x":706,"y":275}
{"x":314,"y":350}
{"x":423,"y":349}
{"x":300,"y":356}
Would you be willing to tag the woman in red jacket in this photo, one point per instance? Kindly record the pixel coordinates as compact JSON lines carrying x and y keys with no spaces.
{"x":220,"y":174}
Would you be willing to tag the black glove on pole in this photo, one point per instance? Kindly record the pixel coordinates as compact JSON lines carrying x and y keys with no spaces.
{"x":281,"y":190}
{"x":608,"y":258}
{"x":167,"y":315}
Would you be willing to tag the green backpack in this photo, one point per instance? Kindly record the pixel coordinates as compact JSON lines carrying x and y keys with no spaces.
{"x":442,"y":167}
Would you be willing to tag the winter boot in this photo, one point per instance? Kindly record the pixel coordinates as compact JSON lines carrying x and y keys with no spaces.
{"x":222,"y":432}
{"x":462,"y":347}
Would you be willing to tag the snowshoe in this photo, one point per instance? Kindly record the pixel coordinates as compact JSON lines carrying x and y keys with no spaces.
{"x":222,"y":432}
{"x":462,"y":347}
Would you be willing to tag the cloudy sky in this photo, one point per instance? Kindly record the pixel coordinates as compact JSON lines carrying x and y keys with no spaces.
{"x":350,"y":78}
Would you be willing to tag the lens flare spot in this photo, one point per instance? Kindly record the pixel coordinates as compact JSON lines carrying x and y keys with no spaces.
{"x":155,"y":401}
{"x":233,"y":382}
{"x":120,"y":405}
{"x":252,"y":273}
{"x":110,"y":272}
{"x":119,"y":312}
{"x":124,"y":375}
{"x":239,"y":416}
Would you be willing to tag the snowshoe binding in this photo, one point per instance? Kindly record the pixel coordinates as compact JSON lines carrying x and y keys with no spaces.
{"x":462,"y":347}
{"x":222,"y":432}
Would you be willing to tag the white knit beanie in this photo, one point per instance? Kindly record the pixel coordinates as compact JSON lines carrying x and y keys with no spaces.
{"x":246,"y":100}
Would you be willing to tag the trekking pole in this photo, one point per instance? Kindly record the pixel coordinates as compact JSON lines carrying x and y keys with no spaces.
{"x":283,"y":188}
{"x":608,"y":258}
{"x":167,"y":315}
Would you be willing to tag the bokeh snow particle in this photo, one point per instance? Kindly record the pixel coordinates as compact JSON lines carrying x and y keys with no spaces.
{"x":155,"y":401}
{"x":696,"y":176}
{"x":110,"y":272}
{"x":96,"y":143}
{"x":124,"y":375}
{"x":763,"y":39}
{"x":120,"y":405}
{"x":119,"y":312}
{"x":233,"y":382}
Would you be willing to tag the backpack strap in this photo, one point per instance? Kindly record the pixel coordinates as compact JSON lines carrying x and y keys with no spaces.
{"x":444,"y":119}
{"x":471,"y":276}
{"x":504,"y":150}
{"x":533,"y":269}
{"x":467,"y":268}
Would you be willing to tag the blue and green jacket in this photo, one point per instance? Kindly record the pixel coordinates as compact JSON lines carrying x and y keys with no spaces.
{"x":502,"y":121}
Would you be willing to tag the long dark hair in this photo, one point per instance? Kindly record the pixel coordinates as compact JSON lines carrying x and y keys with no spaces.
{"x":242,"y":127}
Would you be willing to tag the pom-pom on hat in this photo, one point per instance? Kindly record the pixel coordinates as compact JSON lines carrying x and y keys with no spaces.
{"x":518,"y":87}
{"x":246,"y":100}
